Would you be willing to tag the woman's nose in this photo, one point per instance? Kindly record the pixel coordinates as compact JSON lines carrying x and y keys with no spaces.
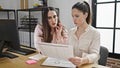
{"x":53,"y":19}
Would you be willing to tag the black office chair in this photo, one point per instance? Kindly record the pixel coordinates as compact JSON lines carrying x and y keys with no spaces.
{"x":103,"y":56}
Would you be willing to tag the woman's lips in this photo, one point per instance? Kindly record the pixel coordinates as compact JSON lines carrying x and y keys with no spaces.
{"x":75,"y":23}
{"x":53,"y":24}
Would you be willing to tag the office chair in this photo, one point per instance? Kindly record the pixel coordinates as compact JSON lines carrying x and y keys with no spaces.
{"x":103,"y":56}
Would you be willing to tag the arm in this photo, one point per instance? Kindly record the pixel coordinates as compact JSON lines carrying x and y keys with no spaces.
{"x":94,"y":49}
{"x":38,"y":36}
{"x":60,"y":36}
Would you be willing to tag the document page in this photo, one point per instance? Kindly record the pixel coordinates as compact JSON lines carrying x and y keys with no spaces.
{"x":37,"y":57}
{"x":58,"y":62}
{"x":59,"y":51}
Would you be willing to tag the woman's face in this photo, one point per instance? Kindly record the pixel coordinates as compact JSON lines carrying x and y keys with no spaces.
{"x":52,"y":19}
{"x":78,"y":17}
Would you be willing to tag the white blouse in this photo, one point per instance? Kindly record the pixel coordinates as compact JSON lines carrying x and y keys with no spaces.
{"x":88,"y":44}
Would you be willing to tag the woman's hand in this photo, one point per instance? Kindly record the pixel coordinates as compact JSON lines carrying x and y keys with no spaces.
{"x":59,"y":28}
{"x":79,"y":61}
{"x":76,"y":61}
{"x":57,"y":36}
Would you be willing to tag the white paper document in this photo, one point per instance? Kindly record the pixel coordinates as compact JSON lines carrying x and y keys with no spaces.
{"x":59,"y":51}
{"x":58,"y":63}
{"x":37,"y":57}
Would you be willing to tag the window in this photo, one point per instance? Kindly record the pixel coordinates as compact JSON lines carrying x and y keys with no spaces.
{"x":105,"y":36}
{"x":106,"y":19}
{"x":118,"y":16}
{"x":117,"y":36}
{"x":105,"y":12}
{"x":117,"y":42}
{"x":104,"y":0}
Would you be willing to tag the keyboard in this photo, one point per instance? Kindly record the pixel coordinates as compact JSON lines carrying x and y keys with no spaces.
{"x":22,"y":51}
{"x":9,"y":55}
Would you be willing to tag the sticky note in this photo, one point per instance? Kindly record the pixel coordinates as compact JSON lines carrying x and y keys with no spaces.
{"x":30,"y":61}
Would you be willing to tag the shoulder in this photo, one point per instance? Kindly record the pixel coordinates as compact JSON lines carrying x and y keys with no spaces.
{"x":94,"y":30}
{"x":39,"y":26}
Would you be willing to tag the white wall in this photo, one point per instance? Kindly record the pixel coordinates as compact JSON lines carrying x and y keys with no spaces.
{"x":65,"y":10}
{"x":10,"y":4}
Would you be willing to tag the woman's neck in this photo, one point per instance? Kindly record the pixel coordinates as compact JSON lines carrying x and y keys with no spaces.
{"x":81,"y":30}
{"x":52,"y":30}
{"x":82,"y":27}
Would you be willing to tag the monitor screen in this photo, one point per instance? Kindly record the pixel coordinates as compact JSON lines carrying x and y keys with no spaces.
{"x":9,"y":34}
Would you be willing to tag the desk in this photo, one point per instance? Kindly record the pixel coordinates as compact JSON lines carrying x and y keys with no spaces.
{"x":19,"y":62}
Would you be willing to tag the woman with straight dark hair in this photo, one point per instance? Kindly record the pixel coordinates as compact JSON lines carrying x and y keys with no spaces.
{"x":84,"y":38}
{"x":51,"y":30}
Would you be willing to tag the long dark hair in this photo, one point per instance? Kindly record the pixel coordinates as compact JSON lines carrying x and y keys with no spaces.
{"x":46,"y":27}
{"x":85,"y":8}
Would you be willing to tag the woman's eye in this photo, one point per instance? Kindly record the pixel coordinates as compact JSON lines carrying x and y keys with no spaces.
{"x":54,"y":16}
{"x":49,"y":17}
{"x":76,"y":16}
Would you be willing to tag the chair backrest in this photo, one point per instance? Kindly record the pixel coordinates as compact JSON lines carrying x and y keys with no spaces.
{"x":103,"y":55}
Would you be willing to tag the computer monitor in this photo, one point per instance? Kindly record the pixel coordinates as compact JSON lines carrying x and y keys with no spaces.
{"x":8,"y":35}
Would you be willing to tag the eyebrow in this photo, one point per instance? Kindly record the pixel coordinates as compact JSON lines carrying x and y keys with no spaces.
{"x":52,"y":16}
